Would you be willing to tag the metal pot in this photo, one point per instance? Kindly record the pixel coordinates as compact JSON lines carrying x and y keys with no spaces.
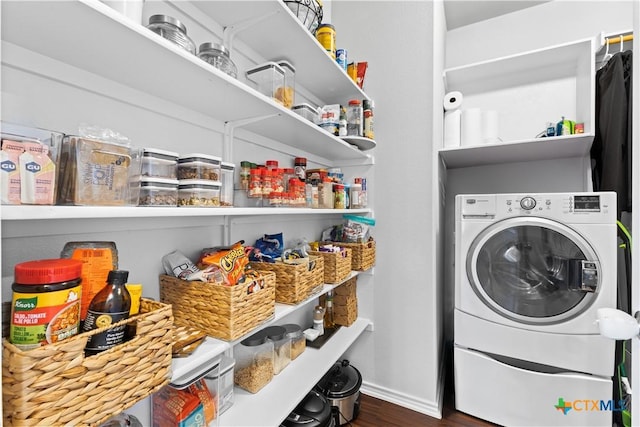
{"x":313,"y":411}
{"x":341,"y":386}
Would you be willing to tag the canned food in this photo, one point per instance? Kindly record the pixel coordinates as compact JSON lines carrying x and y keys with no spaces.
{"x":341,"y":58}
{"x":326,"y":35}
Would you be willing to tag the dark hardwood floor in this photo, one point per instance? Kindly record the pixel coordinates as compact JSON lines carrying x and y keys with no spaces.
{"x":378,"y":413}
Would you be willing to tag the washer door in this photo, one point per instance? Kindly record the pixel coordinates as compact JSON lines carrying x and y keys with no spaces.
{"x":533,"y":270}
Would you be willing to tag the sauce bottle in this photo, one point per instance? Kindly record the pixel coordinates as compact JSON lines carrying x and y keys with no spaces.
{"x":107,"y":307}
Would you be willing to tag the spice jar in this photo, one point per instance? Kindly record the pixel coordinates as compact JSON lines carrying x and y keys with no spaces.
{"x":281,"y":347}
{"x":287,"y":174}
{"x":300,"y":164}
{"x":298,"y":341}
{"x":325,"y":194}
{"x":172,"y":30}
{"x":245,"y":171}
{"x":339,"y":198}
{"x":226,"y":179}
{"x":254,"y":362}
{"x":46,"y":302}
{"x":218,"y":56}
{"x":255,"y":183}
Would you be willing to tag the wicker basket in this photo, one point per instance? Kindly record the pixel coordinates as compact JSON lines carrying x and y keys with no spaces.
{"x":224,"y":312}
{"x":57,"y":384}
{"x":295,"y":282}
{"x":337,"y":266}
{"x":345,"y":303}
{"x":363,"y":256}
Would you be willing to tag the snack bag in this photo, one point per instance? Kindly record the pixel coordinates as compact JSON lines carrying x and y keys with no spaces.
{"x":231,"y":261}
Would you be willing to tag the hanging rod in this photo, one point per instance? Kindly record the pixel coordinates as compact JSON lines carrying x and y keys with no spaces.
{"x":617,"y":39}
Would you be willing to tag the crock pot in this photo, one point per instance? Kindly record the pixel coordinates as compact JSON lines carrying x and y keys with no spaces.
{"x":341,"y":387}
{"x":313,"y":411}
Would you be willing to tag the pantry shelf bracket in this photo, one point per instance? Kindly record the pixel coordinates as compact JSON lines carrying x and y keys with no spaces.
{"x":230,"y":31}
{"x":230,"y":125}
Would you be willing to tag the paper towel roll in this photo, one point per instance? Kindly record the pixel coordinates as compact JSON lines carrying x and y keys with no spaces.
{"x":452,"y":101}
{"x":471,"y":127}
{"x":452,"y":128}
{"x":490,"y":127}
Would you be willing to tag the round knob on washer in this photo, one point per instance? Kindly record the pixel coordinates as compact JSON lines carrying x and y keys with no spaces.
{"x":528,"y":203}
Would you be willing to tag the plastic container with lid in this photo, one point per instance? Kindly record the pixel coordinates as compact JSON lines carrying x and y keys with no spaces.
{"x":220,"y":383}
{"x":354,"y":118}
{"x":218,"y":56}
{"x":287,"y":93}
{"x":199,"y":193}
{"x":298,"y":341}
{"x":254,"y":362}
{"x":158,"y":192}
{"x":199,"y":166}
{"x":159,"y":163}
{"x":46,"y":302}
{"x":339,"y":197}
{"x":226,"y":178}
{"x":281,"y":347}
{"x":268,"y":77}
{"x":301,"y":168}
{"x":307,"y":111}
{"x":173,"y":30}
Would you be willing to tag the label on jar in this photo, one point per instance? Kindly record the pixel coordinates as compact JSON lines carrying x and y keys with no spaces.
{"x":109,"y":338}
{"x":44,"y":318}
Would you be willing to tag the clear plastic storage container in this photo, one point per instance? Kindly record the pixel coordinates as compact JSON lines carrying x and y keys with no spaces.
{"x":298,"y":341}
{"x":199,"y":166}
{"x":227,"y":171}
{"x":307,"y":111}
{"x":218,"y":56}
{"x":268,"y":77}
{"x":173,"y":30}
{"x":159,"y":163}
{"x":220,"y":382}
{"x":281,"y":347}
{"x":287,"y":93}
{"x":198,"y":193}
{"x":158,"y":192}
{"x":254,"y":362}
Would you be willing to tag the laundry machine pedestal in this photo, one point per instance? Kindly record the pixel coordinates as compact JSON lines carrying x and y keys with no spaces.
{"x":500,"y":393}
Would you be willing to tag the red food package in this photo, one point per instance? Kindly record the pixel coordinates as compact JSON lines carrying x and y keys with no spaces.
{"x":200,"y":389}
{"x":173,"y":407}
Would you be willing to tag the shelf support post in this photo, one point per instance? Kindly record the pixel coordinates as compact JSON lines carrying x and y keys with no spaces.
{"x":229,"y":126}
{"x":230,"y":31}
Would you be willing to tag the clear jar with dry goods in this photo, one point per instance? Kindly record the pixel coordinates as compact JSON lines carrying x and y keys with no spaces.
{"x":281,"y":347}
{"x":254,"y":362}
{"x":158,"y":192}
{"x":298,"y":341}
{"x":199,"y":166}
{"x":218,"y":56}
{"x":226,"y":178}
{"x":159,"y":163}
{"x":173,"y":30}
{"x":199,"y":193}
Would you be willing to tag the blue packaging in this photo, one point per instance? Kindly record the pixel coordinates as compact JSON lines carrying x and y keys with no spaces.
{"x":341,"y":58}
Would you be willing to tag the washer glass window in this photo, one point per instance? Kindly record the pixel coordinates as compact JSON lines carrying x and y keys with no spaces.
{"x":526,"y":270}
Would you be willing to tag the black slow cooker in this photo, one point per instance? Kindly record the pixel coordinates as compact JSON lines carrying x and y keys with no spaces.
{"x":313,"y":411}
{"x":341,"y":387}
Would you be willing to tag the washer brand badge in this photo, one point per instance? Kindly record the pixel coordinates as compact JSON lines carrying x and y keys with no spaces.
{"x":8,"y":166}
{"x":32,"y":167}
{"x":471,"y":201}
{"x":590,"y":405}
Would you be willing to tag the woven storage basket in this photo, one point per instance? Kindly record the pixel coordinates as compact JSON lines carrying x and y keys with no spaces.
{"x":363,"y":256}
{"x":57,"y":384}
{"x":337,"y":266}
{"x":224,"y":312}
{"x":345,"y":303}
{"x":294,"y":282}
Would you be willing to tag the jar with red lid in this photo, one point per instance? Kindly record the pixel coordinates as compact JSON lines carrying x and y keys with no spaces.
{"x":255,"y":183}
{"x":287,"y":174}
{"x":267,"y":182}
{"x":277,"y":178}
{"x":301,"y":168}
{"x":46,"y":302}
{"x":271,"y":164}
{"x":339,"y":197}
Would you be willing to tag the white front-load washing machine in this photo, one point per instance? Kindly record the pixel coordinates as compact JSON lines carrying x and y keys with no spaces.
{"x":531,"y":271}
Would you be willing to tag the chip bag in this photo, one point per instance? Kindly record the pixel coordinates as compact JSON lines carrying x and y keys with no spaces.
{"x":231,"y":261}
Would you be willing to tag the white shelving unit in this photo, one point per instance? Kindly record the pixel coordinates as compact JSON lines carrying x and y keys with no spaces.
{"x":528,"y":90}
{"x":87,"y":46}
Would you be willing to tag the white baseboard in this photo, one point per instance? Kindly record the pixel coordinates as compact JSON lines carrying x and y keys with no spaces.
{"x":432,"y":409}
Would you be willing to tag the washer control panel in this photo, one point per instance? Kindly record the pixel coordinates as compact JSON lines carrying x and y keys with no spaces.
{"x":527,"y":203}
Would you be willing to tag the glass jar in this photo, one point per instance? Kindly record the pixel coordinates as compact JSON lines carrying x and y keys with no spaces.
{"x":218,"y":56}
{"x":172,"y":30}
{"x":325,"y":194}
{"x":198,"y":193}
{"x":226,"y":179}
{"x":255,"y":183}
{"x":354,"y":118}
{"x":159,"y":163}
{"x":277,"y":178}
{"x":199,"y":166}
{"x":301,"y":168}
{"x":287,"y":174}
{"x":298,"y":341}
{"x":254,"y":362}
{"x":266,"y":181}
{"x":281,"y":347}
{"x":245,"y":172}
{"x":338,"y":196}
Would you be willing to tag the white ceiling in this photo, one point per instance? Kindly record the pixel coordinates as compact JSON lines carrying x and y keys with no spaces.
{"x":464,"y":12}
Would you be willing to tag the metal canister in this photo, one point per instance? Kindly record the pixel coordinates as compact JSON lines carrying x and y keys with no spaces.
{"x":341,"y":58}
{"x":326,"y":35}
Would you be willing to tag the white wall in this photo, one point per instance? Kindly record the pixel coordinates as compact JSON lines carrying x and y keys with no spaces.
{"x":400,"y":360}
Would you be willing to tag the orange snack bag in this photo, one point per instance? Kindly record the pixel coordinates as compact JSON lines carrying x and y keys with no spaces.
{"x":231,"y":261}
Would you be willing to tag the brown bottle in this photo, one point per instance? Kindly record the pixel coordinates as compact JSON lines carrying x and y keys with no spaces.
{"x":107,"y":307}
{"x":329,"y":323}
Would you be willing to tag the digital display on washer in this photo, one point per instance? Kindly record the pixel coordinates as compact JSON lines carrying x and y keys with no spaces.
{"x":586,"y":203}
